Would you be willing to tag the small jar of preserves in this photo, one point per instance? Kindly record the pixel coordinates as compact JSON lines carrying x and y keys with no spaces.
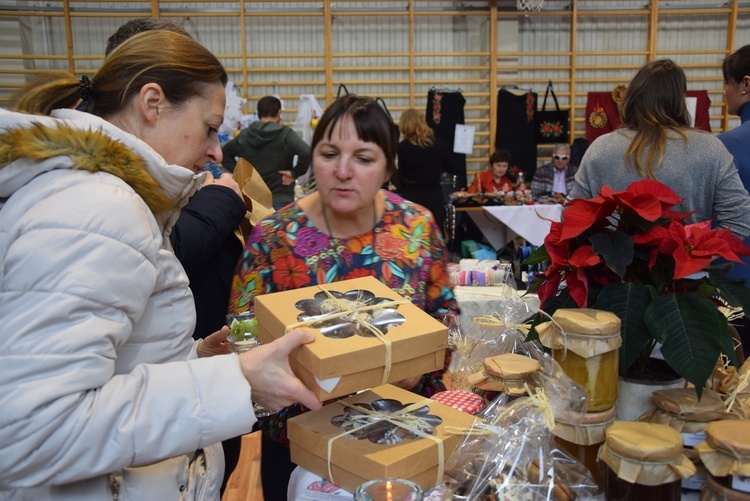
{"x":680,"y":409}
{"x":720,"y":489}
{"x":583,"y":438}
{"x":726,"y":452}
{"x":586,"y":343}
{"x":509,"y":373}
{"x":644,"y":461}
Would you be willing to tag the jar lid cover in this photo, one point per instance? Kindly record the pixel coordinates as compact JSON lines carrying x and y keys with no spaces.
{"x":684,"y":403}
{"x":645,"y":453}
{"x":731,"y":437}
{"x":511,"y":366}
{"x":587,"y":321}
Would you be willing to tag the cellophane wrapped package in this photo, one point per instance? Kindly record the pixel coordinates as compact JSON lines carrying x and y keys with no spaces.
{"x":502,"y":331}
{"x":511,"y":454}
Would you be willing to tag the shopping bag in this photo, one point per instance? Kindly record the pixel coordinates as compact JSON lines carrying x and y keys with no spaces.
{"x":551,"y":126}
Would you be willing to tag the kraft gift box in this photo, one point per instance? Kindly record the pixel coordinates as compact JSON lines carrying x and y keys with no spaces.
{"x":353,"y":462}
{"x":332,"y":366}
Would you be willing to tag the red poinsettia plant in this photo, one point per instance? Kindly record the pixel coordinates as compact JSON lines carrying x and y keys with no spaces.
{"x":630,"y":253}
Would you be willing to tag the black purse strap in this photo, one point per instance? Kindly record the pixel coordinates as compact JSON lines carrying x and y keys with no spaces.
{"x":550,"y":90}
{"x":380,"y":101}
{"x":341,"y":86}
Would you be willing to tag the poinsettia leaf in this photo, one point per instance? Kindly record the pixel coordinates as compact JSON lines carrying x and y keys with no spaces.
{"x":629,"y":302}
{"x":539,"y":255}
{"x":690,"y":331}
{"x":615,"y":248}
{"x":733,"y":291}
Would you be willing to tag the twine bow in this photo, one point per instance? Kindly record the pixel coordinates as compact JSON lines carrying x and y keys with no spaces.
{"x":541,"y":401}
{"x":402,"y":419}
{"x":343,"y":308}
{"x":742,"y":383}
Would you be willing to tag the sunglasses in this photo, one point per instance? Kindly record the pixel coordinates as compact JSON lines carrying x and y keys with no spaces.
{"x":560,"y":157}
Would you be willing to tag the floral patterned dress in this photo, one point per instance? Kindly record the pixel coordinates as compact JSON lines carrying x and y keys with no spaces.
{"x":404,"y":251}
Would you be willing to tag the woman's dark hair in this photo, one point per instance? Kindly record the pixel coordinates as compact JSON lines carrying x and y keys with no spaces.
{"x":653,"y":105}
{"x":501,"y":156}
{"x":372,"y":123}
{"x":736,"y":66}
{"x":177,"y":63}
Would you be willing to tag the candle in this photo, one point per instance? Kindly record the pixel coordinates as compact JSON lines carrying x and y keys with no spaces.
{"x":388,"y":489}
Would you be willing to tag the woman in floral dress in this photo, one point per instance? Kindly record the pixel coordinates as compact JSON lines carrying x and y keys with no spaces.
{"x":348,"y":228}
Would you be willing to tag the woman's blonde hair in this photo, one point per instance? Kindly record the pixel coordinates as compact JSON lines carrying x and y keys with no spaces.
{"x":654,"y":105}
{"x":414,"y":128}
{"x":179,"y":64}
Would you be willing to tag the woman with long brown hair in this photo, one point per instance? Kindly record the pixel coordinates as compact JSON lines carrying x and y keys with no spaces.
{"x":656,"y":141}
{"x":102,"y":391}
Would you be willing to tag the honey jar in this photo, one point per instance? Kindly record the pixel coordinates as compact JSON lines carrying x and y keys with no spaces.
{"x":583,"y":438}
{"x":585,"y":342}
{"x":680,"y":409}
{"x":644,"y":461}
{"x":719,"y":489}
{"x":726,"y":453}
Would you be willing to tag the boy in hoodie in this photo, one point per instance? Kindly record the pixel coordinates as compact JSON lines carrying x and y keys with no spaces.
{"x":271,"y":148}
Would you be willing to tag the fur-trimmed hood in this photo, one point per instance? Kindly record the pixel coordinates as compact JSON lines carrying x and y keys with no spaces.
{"x":31,"y":145}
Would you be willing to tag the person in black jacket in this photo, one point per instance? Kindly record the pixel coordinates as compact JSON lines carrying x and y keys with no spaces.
{"x":422,"y":158}
{"x":203,"y":238}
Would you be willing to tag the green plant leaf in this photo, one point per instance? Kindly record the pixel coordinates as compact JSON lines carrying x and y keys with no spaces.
{"x":537,"y":256}
{"x":615,"y":248}
{"x":629,"y":302}
{"x":562,"y":300}
{"x":691,"y":334}
{"x":733,"y":291}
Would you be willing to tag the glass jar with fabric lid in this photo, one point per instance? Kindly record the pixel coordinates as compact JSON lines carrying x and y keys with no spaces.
{"x":586,"y":342}
{"x":644,"y":461}
{"x":509,"y":373}
{"x":582,"y":436}
{"x":679,"y":408}
{"x":726,"y":452}
{"x":719,"y":489}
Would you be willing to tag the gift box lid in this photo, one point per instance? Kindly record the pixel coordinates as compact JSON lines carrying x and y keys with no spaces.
{"x":327,"y":357}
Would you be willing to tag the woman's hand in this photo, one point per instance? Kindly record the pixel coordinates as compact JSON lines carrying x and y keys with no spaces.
{"x":215,"y":344}
{"x":271,"y":379}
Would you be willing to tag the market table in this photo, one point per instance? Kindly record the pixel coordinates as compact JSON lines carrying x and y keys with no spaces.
{"x":501,"y":223}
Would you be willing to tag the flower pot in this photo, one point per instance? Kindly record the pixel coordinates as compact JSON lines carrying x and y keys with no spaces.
{"x":634,"y":396}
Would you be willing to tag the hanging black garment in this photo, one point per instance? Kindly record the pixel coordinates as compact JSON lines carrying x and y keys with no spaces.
{"x":444,"y":111}
{"x":515,"y":129}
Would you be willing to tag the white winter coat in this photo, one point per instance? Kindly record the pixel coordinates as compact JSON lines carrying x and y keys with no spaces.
{"x":101,"y":393}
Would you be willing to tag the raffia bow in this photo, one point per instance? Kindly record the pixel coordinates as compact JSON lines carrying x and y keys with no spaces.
{"x":402,"y":419}
{"x":361,"y":314}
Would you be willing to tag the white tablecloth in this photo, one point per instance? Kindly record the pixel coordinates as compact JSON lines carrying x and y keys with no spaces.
{"x":501,"y":223}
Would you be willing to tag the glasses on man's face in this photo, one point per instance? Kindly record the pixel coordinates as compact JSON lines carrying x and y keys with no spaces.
{"x":560,"y":157}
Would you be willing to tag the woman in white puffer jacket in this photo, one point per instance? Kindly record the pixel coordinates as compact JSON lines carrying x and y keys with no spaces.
{"x":102,"y":393}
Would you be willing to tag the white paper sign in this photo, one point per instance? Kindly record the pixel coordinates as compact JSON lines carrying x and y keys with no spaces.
{"x":464,"y":139}
{"x":692,"y":106}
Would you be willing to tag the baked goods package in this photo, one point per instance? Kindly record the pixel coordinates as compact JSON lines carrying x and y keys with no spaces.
{"x":512,"y":455}
{"x":502,"y":330}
